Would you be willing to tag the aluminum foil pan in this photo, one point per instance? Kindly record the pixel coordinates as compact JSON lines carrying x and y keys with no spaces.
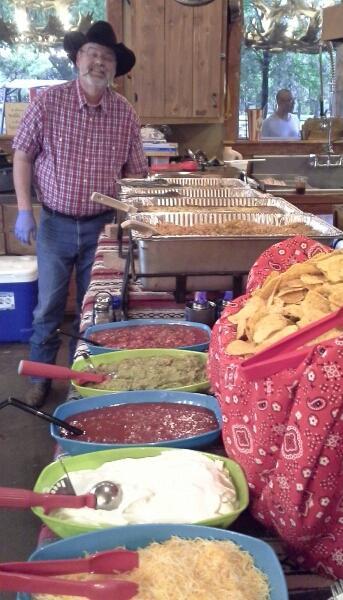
{"x":188,"y":219}
{"x":165,"y":203}
{"x":149,"y":182}
{"x":206,"y":181}
{"x":191,"y":192}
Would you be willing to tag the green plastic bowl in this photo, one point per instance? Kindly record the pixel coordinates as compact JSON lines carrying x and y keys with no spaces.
{"x":53,"y":472}
{"x":115,"y":357}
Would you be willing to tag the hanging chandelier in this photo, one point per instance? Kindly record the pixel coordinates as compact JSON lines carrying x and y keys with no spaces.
{"x":41,"y":22}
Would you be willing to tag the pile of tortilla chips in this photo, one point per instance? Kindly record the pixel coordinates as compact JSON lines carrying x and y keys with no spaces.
{"x":287,"y":301}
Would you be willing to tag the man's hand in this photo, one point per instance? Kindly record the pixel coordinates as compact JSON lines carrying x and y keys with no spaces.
{"x":25,"y":227}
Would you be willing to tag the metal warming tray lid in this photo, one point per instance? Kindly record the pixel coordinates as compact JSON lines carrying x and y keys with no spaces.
{"x":210,"y":256}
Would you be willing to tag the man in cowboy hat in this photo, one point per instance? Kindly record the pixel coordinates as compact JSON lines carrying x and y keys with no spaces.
{"x":76,"y":138}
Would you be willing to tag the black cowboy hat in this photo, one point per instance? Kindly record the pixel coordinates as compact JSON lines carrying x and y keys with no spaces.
{"x":101,"y":33}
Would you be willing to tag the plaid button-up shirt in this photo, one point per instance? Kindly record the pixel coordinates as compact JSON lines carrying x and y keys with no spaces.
{"x":78,"y":149}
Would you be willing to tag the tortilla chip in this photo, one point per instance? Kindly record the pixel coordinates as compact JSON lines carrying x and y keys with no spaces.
{"x":293,"y":296}
{"x":310,"y":317}
{"x":272,"y":339}
{"x":309,"y":279}
{"x":332,"y":267}
{"x":269,"y":287}
{"x":254,"y":319}
{"x":240,"y":348}
{"x":315,"y":301}
{"x":296,"y":283}
{"x":299,"y":269}
{"x":240,"y":318}
{"x":267,"y":326}
{"x":323,"y":256}
{"x":293,"y":311}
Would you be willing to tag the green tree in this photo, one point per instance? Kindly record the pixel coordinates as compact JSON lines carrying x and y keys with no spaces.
{"x":38,"y":61}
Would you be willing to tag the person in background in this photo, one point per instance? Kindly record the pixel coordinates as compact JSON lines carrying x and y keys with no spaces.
{"x":282,"y":123}
{"x":74,"y":139}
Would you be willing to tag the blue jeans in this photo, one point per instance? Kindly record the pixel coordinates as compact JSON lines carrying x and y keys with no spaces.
{"x":62,"y":244}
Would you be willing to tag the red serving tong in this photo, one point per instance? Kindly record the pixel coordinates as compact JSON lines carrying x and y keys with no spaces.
{"x":36,"y":576}
{"x":37,"y":369}
{"x":284,"y":354}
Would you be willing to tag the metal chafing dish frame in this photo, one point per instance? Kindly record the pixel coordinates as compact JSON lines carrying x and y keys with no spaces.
{"x":166,"y":262}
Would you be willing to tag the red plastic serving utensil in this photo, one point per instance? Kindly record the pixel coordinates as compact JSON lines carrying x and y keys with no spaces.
{"x":284,"y":354}
{"x":95,"y":590}
{"x":37,"y":369}
{"x":19,"y":498}
{"x":103,"y":562}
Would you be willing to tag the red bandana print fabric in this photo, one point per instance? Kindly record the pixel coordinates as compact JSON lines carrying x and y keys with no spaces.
{"x":286,"y":430}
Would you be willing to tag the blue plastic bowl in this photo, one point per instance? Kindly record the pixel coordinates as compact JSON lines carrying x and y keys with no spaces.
{"x":136,"y":323}
{"x":138,"y":536}
{"x":73,"y":446}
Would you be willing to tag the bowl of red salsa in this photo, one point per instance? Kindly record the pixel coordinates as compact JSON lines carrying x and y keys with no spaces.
{"x":149,"y":333}
{"x":139,"y":418}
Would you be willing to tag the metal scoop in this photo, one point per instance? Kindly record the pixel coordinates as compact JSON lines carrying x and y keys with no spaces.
{"x":105,"y":495}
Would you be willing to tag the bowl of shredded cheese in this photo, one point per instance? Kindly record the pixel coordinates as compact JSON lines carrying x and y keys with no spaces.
{"x":182,"y":562}
{"x":159,"y":485}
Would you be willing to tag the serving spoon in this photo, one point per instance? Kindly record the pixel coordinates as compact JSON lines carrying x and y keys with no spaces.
{"x":46,"y":371}
{"x":105,"y":495}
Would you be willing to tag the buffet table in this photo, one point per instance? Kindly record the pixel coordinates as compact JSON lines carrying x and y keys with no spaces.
{"x":302,"y":585}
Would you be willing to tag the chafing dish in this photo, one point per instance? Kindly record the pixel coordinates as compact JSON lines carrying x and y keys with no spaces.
{"x":210,"y":255}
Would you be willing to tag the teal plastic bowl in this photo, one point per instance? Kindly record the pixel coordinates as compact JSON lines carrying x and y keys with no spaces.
{"x":134,"y":323}
{"x":75,"y":446}
{"x":115,"y":357}
{"x":53,"y":472}
{"x":134,"y":537}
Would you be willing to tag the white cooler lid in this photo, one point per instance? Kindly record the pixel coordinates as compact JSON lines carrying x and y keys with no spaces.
{"x":18,"y":269}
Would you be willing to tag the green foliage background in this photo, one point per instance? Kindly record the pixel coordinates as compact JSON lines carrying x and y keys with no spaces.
{"x":30,"y":61}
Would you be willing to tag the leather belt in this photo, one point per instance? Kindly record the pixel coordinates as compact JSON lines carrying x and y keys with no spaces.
{"x":51,"y":211}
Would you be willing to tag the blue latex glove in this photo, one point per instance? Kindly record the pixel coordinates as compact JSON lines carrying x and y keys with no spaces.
{"x":25,"y":228}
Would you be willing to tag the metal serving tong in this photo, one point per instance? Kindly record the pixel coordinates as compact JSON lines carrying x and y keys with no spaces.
{"x":286,"y":354}
{"x":139,"y":226}
{"x":113,"y":202}
{"x":37,"y":576}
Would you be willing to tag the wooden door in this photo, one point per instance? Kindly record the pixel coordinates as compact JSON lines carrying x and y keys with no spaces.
{"x":208,"y":60}
{"x":147,"y":40}
{"x":178,"y":60}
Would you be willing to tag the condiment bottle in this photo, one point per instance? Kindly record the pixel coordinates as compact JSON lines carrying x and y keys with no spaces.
{"x":201,"y":310}
{"x":117,"y":309}
{"x":102,"y":308}
{"x":228,"y":295}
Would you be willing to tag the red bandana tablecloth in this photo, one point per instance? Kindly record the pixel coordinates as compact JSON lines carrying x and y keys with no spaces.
{"x":286,"y":430}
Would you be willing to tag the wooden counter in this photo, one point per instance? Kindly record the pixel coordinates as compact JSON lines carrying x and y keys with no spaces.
{"x":316,"y":203}
{"x":283,"y":147}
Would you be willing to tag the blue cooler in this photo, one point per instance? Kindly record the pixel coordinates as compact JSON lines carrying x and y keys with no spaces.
{"x":18,"y":297}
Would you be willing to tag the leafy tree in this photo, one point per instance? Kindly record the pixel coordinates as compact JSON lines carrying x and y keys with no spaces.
{"x":37,"y":61}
